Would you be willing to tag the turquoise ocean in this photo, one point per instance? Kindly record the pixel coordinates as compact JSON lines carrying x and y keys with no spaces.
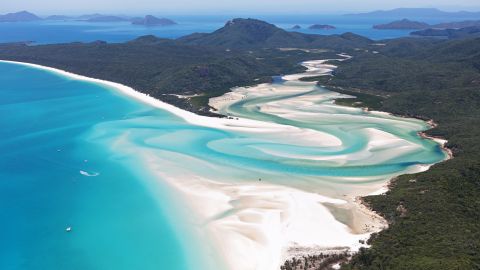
{"x":72,"y":154}
{"x":46,"y":158}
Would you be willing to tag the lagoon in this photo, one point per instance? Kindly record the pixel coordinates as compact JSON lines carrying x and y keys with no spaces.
{"x":147,"y":186}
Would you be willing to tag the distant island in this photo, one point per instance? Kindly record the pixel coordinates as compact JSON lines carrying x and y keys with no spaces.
{"x":322,"y":27}
{"x":107,"y":18}
{"x":150,"y":20}
{"x":407,"y":24}
{"x":417,"y":13}
{"x":413,"y":77}
{"x":296,"y":27}
{"x":466,"y":32}
{"x":404,"y":24}
{"x":89,"y":16}
{"x":22,"y":16}
{"x":59,"y":18}
{"x":205,"y":63}
{"x":457,"y":25}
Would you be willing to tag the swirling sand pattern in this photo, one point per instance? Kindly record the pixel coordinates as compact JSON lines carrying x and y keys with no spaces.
{"x":237,"y":193}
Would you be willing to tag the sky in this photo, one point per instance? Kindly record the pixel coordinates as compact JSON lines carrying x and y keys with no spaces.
{"x":48,"y":7}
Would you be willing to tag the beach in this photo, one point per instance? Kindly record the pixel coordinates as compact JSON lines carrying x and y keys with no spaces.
{"x":292,"y":185}
{"x":366,"y":221}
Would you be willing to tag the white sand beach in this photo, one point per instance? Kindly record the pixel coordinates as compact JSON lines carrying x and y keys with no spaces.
{"x":258,"y":224}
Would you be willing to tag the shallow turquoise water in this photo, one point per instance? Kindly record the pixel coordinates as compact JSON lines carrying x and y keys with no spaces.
{"x":75,"y":153}
{"x":116,"y":221}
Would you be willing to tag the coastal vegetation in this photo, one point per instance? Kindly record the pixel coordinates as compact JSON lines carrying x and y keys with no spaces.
{"x":433,"y":215}
{"x":315,"y":262}
{"x":162,"y":68}
{"x":409,"y":24}
{"x":449,"y":33}
{"x":204,"y":65}
{"x":251,"y":34}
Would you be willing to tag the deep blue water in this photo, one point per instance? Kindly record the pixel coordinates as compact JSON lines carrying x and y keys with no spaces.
{"x":71,"y":31}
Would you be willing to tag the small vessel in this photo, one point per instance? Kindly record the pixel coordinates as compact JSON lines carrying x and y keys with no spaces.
{"x":68,"y":229}
{"x":92,"y":174}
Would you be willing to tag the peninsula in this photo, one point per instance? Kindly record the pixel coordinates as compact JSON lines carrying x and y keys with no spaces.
{"x":429,"y":79}
{"x":404,"y":24}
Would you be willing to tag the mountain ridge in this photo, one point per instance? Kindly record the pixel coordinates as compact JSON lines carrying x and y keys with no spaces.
{"x":253,"y":33}
{"x":416,"y":13}
{"x":466,"y":32}
{"x":404,"y":24}
{"x":150,"y":20}
{"x":21,"y":16}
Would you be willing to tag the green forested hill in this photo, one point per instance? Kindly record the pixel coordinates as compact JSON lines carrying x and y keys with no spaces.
{"x":425,"y":78}
{"x":162,"y":67}
{"x":437,"y":80}
{"x":251,"y":33}
{"x":243,"y":52}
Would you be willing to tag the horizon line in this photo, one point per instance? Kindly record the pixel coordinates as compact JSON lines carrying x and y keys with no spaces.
{"x":226,"y":13}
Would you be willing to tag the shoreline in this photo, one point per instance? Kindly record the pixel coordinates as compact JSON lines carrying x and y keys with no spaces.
{"x":288,"y":199}
{"x":440,"y":140}
{"x":431,"y":122}
{"x":346,"y":253}
{"x":237,"y":124}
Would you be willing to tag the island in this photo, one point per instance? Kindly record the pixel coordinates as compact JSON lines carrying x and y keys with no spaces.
{"x":254,"y":34}
{"x":322,"y":27}
{"x":436,"y":80}
{"x":457,"y":25}
{"x":417,"y":13}
{"x":407,"y":24}
{"x":150,"y":20}
{"x":107,"y":18}
{"x":203,"y":65}
{"x":466,"y":32}
{"x":22,"y":16}
{"x":296,"y":27}
{"x":59,"y":18}
{"x":404,"y":24}
{"x":90,"y":16}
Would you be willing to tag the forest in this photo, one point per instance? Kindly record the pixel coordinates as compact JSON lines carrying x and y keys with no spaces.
{"x":434,"y":216}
